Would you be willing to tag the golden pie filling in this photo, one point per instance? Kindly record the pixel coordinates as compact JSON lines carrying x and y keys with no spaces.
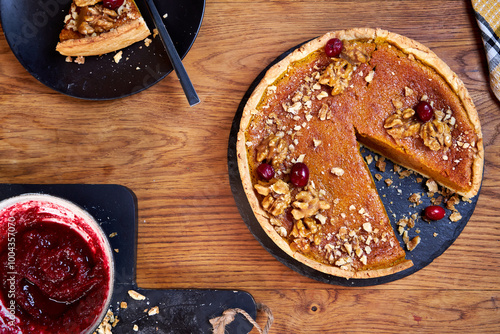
{"x":314,"y":109}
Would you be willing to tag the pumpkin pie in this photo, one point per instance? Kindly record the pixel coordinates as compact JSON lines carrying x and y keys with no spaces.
{"x":96,"y":27}
{"x":298,"y":145}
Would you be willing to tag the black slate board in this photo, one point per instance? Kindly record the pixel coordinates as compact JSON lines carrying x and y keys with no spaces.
{"x":181,"y":310}
{"x":394,"y":198}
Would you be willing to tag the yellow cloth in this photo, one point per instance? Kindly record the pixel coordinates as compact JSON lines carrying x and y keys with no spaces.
{"x":488,"y":18}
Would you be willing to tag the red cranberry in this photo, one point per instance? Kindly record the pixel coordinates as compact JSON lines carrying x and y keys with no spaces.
{"x":434,"y":212}
{"x":112,"y":4}
{"x":265,"y":171}
{"x":424,"y":111}
{"x":333,"y":47}
{"x":299,"y":174}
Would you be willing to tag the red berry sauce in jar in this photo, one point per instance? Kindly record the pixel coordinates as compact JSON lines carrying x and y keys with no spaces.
{"x":55,"y":270}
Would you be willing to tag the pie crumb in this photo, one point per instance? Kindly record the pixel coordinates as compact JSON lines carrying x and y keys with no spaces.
{"x":80,"y":60}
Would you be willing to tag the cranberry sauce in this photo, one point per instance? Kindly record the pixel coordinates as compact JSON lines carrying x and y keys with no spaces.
{"x":52,"y":280}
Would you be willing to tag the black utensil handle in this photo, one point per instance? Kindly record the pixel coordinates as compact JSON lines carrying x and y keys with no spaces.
{"x":186,"y":83}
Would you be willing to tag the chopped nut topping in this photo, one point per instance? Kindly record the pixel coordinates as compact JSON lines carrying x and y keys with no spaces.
{"x":337,"y":75}
{"x":307,"y":204}
{"x":337,"y":171}
{"x":408,"y":91}
{"x":273,"y":149}
{"x":402,"y":124}
{"x":370,"y":76}
{"x":277,"y":196}
{"x":355,"y":53}
{"x":107,"y":323}
{"x":436,"y":135}
{"x":323,"y":112}
{"x":322,"y":95}
{"x":367,"y":227}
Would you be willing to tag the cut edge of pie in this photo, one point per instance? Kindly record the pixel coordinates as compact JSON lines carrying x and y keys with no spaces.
{"x":408,"y":46}
{"x":119,"y":37}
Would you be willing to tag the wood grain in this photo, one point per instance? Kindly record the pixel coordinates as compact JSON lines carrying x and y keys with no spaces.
{"x":174,"y":158}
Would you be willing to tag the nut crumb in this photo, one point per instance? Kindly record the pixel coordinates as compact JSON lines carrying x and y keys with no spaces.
{"x":413,"y":243}
{"x":415,"y":198}
{"x":136,"y":295}
{"x":123,"y":305}
{"x":432,"y":187}
{"x":118,"y":56}
{"x":455,"y":216}
{"x":381,"y":164}
{"x":154,"y":310}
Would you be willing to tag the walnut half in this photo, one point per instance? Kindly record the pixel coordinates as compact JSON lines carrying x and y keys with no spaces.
{"x":436,"y":135}
{"x":274,"y":149}
{"x":277,"y":196}
{"x":402,"y":124}
{"x":337,"y":75}
{"x":307,"y":204}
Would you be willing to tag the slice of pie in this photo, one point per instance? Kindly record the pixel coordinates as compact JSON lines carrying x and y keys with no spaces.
{"x":96,"y":27}
{"x":298,"y":145}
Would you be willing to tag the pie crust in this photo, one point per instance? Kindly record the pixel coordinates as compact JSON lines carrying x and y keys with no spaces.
{"x":392,"y":148}
{"x":128,"y":27}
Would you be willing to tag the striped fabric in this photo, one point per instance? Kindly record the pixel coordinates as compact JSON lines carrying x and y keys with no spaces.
{"x":488,"y":18}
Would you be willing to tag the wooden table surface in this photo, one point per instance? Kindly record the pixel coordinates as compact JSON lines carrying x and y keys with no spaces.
{"x":174,"y":158}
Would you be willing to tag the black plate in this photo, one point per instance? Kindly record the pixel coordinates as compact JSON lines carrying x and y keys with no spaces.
{"x":32,"y":30}
{"x":394,"y":198}
{"x":182,"y":311}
